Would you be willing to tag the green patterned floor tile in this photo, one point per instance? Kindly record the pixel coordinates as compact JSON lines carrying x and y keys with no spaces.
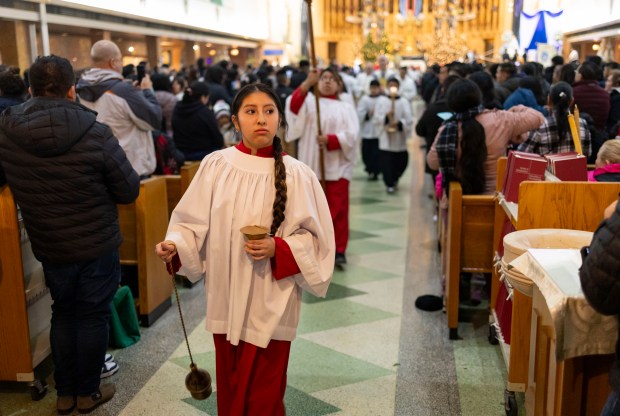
{"x":357,"y":235}
{"x":373,"y":209}
{"x":327,"y":315}
{"x":363,"y":200}
{"x":364,"y":247}
{"x":353,"y":274}
{"x":205,"y":360}
{"x":335,"y":291}
{"x":370,"y":225}
{"x":296,"y":402}
{"x":313,"y":367}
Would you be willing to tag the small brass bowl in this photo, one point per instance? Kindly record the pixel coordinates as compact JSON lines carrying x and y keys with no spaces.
{"x":255,"y":232}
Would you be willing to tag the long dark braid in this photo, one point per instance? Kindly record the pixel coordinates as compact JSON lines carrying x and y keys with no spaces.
{"x":279,"y":204}
{"x":561,"y":95}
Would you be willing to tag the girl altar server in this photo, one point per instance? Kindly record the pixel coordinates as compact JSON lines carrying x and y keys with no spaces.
{"x":253,"y":287}
{"x":340,"y":135}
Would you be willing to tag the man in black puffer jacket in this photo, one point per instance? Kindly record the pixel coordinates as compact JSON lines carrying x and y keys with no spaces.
{"x":67,"y":173}
{"x":600,"y":281}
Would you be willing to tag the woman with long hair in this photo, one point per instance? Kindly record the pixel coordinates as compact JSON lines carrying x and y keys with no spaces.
{"x":468,"y":145}
{"x":253,"y":287}
{"x":554,"y":135}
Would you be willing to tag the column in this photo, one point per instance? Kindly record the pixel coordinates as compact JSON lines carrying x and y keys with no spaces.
{"x":15,"y":44}
{"x":153,"y":50}
{"x":189,"y":56}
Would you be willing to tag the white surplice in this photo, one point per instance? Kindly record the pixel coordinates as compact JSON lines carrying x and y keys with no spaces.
{"x":396,"y":141}
{"x":233,"y":189}
{"x":337,"y":117}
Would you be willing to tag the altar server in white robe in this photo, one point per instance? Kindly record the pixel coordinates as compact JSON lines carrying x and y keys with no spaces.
{"x":371,"y":129}
{"x":253,"y":288}
{"x":339,"y":138}
{"x":395,"y":114}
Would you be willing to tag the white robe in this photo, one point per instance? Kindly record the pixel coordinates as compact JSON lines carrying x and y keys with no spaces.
{"x":396,"y":141}
{"x":231,"y":190}
{"x":371,"y":128}
{"x":407,"y":88}
{"x":337,"y":117}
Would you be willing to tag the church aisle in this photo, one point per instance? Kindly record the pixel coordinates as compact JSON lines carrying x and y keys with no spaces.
{"x":364,"y":350}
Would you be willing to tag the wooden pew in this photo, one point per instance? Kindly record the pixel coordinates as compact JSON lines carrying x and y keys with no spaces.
{"x":143,"y":225}
{"x":177,"y":184}
{"x":468,"y":246}
{"x":25,"y":303}
{"x":569,"y":205}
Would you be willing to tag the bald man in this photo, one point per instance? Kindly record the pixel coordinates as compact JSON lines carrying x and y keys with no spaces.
{"x":131,"y":111}
{"x":384,"y":73}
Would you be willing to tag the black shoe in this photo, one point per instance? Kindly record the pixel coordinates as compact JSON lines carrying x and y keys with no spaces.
{"x":340,"y":259}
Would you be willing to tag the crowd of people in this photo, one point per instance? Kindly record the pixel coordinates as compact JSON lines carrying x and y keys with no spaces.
{"x":104,"y":128}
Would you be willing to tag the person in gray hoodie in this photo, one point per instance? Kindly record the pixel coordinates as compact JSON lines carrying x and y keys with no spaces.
{"x":67,"y":172}
{"x":132,"y":112}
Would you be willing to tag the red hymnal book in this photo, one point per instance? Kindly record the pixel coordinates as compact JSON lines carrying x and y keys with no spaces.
{"x":522,"y":167}
{"x":568,"y":166}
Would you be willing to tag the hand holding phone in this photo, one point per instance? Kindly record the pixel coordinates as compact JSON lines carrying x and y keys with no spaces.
{"x":141,"y":72}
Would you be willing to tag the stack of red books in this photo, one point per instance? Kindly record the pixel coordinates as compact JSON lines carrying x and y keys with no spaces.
{"x":522,"y":166}
{"x":568,"y":166}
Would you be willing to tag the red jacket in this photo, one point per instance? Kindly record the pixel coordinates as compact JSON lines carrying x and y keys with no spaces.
{"x":592,"y":99}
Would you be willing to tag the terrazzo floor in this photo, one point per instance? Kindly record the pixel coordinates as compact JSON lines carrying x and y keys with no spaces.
{"x":363,"y":350}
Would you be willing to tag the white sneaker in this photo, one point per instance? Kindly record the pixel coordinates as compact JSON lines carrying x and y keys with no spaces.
{"x":108,"y":358}
{"x":109,"y":369}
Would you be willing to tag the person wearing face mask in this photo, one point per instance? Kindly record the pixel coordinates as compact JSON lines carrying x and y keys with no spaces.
{"x":338,"y":138}
{"x":222,"y":114}
{"x":394,"y":114}
{"x":254,"y":287}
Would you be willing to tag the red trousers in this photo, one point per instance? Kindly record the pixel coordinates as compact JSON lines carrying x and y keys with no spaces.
{"x":250,"y":380}
{"x":337,"y":193}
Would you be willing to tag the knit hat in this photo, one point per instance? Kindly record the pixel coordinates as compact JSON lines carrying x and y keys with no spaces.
{"x":573,"y":56}
{"x":221,"y":109}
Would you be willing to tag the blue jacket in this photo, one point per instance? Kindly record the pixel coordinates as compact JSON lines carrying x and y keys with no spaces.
{"x":525,"y":97}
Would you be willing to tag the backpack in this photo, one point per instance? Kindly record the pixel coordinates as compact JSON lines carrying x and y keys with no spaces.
{"x":169,"y":158}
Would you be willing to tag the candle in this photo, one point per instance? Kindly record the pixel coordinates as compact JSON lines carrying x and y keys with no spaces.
{"x":576,"y":113}
{"x":573,"y":130}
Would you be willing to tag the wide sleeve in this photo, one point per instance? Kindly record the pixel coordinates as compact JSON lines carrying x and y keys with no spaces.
{"x":310,"y":234}
{"x":296,"y":120}
{"x":406,"y":118}
{"x":520,"y":119}
{"x":348,"y":132}
{"x":190,"y":220}
{"x":362,"y":109}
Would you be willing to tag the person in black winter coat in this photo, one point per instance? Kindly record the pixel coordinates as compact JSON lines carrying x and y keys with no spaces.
{"x":196,"y":131}
{"x":67,"y":172}
{"x":600,"y":281}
